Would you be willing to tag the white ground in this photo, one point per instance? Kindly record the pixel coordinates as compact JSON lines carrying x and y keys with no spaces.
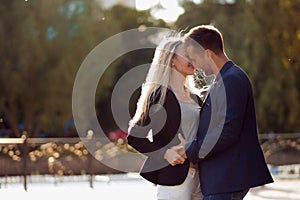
{"x":124,"y":186}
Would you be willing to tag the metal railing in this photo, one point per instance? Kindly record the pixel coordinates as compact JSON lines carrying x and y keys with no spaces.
{"x":60,"y":157}
{"x":50,"y":156}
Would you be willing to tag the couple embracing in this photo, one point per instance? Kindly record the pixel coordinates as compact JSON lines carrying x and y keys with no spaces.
{"x":197,"y":148}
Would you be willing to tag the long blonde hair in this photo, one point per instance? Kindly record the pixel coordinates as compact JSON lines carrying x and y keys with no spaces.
{"x":157,"y":79}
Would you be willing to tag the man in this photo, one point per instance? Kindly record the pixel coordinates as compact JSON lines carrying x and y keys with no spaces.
{"x":226,"y":147}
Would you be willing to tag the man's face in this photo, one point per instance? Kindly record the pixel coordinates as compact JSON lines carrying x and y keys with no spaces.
{"x":200,"y":60}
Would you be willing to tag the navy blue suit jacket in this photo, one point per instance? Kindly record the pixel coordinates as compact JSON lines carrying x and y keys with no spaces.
{"x":227,"y":147}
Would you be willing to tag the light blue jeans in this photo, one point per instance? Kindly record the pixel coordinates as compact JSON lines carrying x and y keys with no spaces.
{"x":188,"y":190}
{"x":239,"y":195}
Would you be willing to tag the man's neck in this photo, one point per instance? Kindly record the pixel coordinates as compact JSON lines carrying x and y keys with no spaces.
{"x":220,"y":61}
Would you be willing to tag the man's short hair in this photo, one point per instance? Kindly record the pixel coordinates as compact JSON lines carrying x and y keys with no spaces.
{"x":208,"y":37}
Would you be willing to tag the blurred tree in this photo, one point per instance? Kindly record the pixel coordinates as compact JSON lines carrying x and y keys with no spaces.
{"x":43,"y":43}
{"x":42,"y":46}
{"x":9,"y":59}
{"x":202,"y":82}
{"x":278,"y":100}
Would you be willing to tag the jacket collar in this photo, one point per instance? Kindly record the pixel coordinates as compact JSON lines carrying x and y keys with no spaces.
{"x":226,"y":66}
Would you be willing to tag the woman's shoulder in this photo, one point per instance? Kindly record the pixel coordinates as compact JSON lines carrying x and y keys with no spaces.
{"x":156,"y":94}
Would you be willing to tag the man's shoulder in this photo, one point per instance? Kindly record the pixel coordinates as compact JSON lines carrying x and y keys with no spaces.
{"x":236,"y":77}
{"x":236,"y":71}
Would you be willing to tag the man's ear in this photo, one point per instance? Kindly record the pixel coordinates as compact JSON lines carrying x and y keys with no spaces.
{"x":209,"y":53}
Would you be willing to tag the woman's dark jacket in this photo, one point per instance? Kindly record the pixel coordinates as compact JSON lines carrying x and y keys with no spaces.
{"x":156,"y":169}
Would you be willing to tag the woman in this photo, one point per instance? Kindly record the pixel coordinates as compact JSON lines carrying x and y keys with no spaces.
{"x":154,"y":129}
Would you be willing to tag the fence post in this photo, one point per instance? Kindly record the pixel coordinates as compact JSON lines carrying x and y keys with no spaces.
{"x":90,"y":170}
{"x":24,"y":137}
{"x":89,"y":167}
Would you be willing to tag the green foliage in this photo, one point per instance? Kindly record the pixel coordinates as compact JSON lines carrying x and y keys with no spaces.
{"x":202,"y":82}
{"x":43,"y":44}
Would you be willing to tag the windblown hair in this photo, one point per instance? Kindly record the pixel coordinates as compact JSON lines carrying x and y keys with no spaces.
{"x":157,"y":81}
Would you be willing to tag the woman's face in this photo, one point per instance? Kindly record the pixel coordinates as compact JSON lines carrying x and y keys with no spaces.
{"x":181,"y":62}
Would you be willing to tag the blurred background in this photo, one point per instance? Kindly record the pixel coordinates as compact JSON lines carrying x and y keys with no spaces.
{"x":43,"y":43}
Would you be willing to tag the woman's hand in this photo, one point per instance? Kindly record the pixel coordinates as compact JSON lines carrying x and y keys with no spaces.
{"x":176,"y":155}
{"x":180,"y":148}
{"x":173,"y":157}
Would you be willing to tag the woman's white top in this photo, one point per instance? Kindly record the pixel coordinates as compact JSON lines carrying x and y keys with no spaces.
{"x":190,"y":113}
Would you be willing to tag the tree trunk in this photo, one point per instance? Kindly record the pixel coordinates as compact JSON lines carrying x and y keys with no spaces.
{"x":12,"y":120}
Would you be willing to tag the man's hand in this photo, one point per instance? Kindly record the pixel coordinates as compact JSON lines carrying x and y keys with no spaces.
{"x":180,"y":148}
{"x":176,"y":155}
{"x":173,"y":157}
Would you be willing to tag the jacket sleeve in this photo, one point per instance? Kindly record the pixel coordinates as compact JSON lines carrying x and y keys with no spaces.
{"x":145,"y":137}
{"x":141,"y":139}
{"x":229,"y":102}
